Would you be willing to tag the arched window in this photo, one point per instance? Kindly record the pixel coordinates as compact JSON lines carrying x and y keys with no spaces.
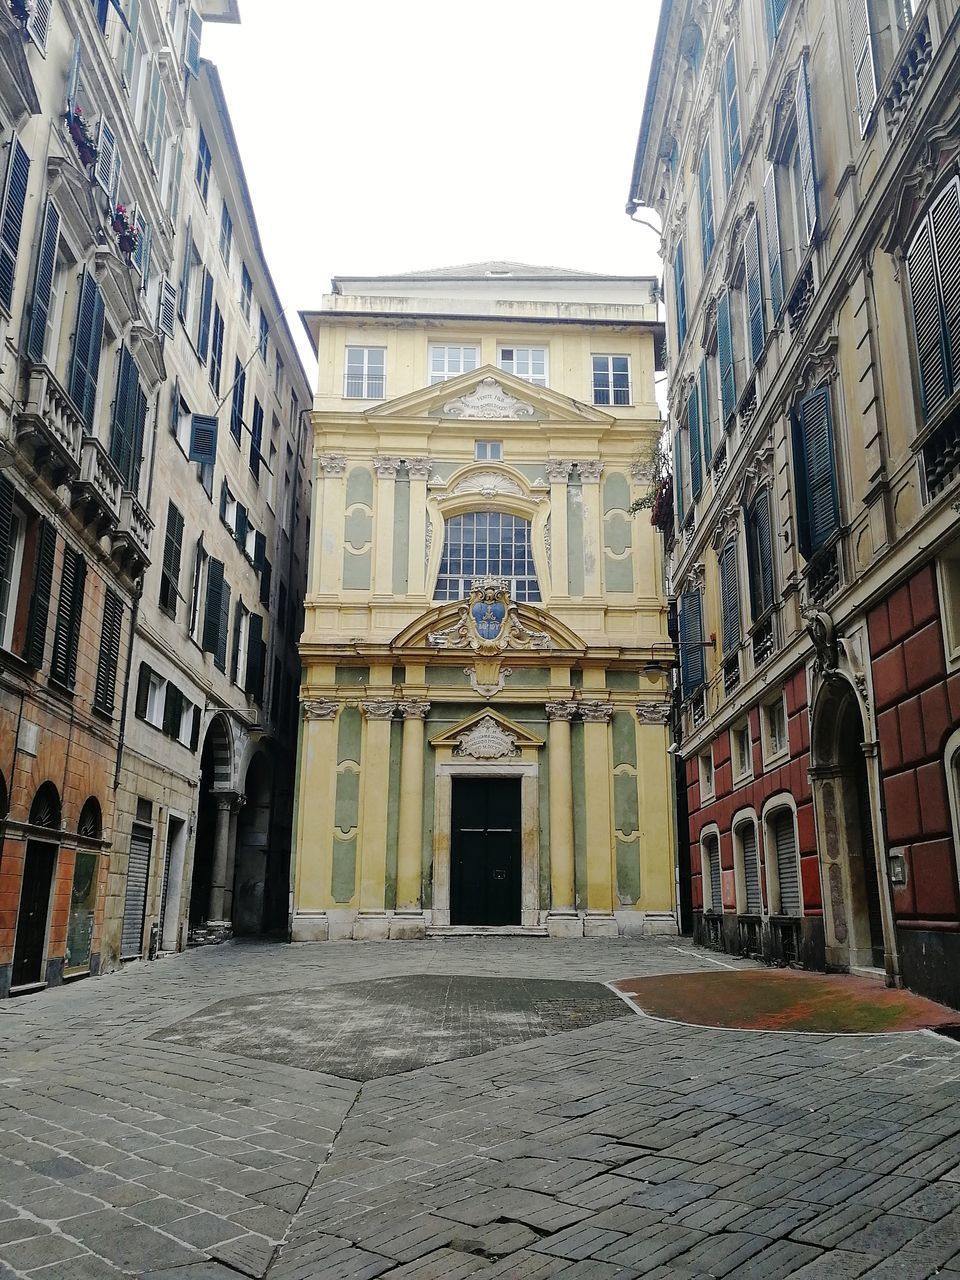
{"x":45,"y":810}
{"x":749,"y":901}
{"x":783,"y":867}
{"x":486,"y":542}
{"x":90,"y":822}
{"x":712,"y":880}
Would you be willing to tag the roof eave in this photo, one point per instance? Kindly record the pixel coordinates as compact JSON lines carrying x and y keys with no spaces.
{"x":637,"y":197}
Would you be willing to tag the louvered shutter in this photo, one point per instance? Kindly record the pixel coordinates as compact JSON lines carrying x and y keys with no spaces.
{"x":195,"y":730}
{"x":864,"y":60}
{"x":203,"y":439}
{"x":239,"y":394}
{"x":139,"y":423}
{"x":730,"y":118}
{"x":928,"y":321}
{"x":121,"y":430}
{"x":211,"y":613}
{"x":206,"y":307}
{"x":224,"y":499}
{"x":816,"y":429}
{"x":46,"y":267}
{"x":11,"y":218}
{"x":705,"y":177}
{"x":87,"y":345}
{"x":172,"y":710}
{"x":185,"y":270}
{"x":6,"y":519}
{"x":265,"y":577}
{"x":808,"y":168}
{"x":106,"y":682}
{"x":194,"y":32}
{"x":259,"y":550}
{"x":253,"y":684}
{"x":223,"y":628}
{"x":73,"y":77}
{"x":760,"y":554}
{"x":38,"y":22}
{"x":256,"y":438}
{"x":693,"y":430}
{"x":751,"y":262}
{"x":167,"y":309}
{"x":678,"y":476}
{"x":690,"y":618}
{"x":728,"y":377}
{"x":143,"y":691}
{"x":66,"y":635}
{"x":170,"y":570}
{"x":130,"y":40}
{"x":704,"y":383}
{"x":240,"y":528}
{"x":751,"y":868}
{"x":106,"y":151}
{"x":729,"y":597}
{"x":945,"y":221}
{"x":135,"y":897}
{"x":771,"y":228}
{"x":176,"y":179}
{"x":216,"y":350}
{"x":141,"y":256}
{"x":680,"y":294}
{"x":33,"y":648}
{"x":712,"y":850}
{"x":788,"y":871}
{"x":235,"y":642}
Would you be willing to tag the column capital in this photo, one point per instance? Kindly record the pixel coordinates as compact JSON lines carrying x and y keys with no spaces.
{"x":596,"y":712}
{"x":590,"y":469}
{"x":560,"y":710}
{"x":319,"y":709}
{"x":332,"y":464}
{"x":419,"y":468}
{"x":416,"y":709}
{"x":378,"y":709}
{"x":653,"y":712}
{"x":386,"y":468}
{"x":558,"y":471}
{"x":229,"y":801}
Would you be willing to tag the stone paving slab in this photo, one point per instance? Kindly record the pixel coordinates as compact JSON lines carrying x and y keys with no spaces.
{"x":625,"y":1147}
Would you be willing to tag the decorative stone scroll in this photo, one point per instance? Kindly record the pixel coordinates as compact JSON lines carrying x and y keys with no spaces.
{"x":419,"y":468}
{"x":417,"y":709}
{"x":488,"y":400}
{"x":557,"y":470}
{"x":488,"y":484}
{"x":590,"y":469}
{"x":596,"y":712}
{"x":487,"y":740}
{"x":319,"y":709}
{"x":488,"y":623}
{"x":332,"y":464}
{"x":560,"y":710}
{"x":653,"y":712}
{"x":386,"y":468}
{"x":379,"y":709}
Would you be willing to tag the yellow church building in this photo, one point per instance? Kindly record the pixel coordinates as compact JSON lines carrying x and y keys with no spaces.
{"x":483,"y":739}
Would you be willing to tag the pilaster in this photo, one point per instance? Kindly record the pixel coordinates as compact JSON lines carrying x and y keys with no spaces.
{"x":418,"y":470}
{"x":330,"y":536}
{"x":558,"y":473}
{"x":409,"y":921}
{"x":562,"y":920}
{"x":374,"y":798}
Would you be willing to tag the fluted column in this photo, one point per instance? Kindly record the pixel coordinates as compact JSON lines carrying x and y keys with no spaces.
{"x":383,"y":530}
{"x":592,"y":527}
{"x":410,"y":821}
{"x":329,"y":538}
{"x":374,"y":801}
{"x":563,"y":919}
{"x":596,"y":750}
{"x":419,"y":471}
{"x":558,"y":473}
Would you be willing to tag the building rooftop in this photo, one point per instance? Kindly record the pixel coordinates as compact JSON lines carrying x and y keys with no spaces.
{"x":488,"y":270}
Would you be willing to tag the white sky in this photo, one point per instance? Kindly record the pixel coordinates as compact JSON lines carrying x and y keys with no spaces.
{"x":394,"y":135}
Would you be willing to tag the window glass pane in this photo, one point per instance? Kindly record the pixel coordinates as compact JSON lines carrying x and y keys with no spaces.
{"x":485,"y":542}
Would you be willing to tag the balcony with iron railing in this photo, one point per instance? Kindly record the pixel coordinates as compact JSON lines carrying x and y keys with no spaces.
{"x":50,"y":426}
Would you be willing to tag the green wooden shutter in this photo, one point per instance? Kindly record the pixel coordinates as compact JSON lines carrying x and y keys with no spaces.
{"x":87,"y":345}
{"x":760,"y":554}
{"x":139,"y":422}
{"x":253,"y":684}
{"x":203,"y":439}
{"x":928,"y":321}
{"x":238,"y":613}
{"x":864,"y":60}
{"x":259,"y":550}
{"x":751,"y":262}
{"x":690,"y":619}
{"x":239,"y":393}
{"x":121,"y":429}
{"x":172,"y":710}
{"x":240,"y":528}
{"x":216,"y":350}
{"x":11,"y":218}
{"x":945,"y":222}
{"x":729,"y":597}
{"x":728,"y":376}
{"x":730,"y":117}
{"x":705,"y":182}
{"x":109,"y":656}
{"x":185,"y":269}
{"x":771,"y":228}
{"x":693,"y":430}
{"x":143,"y":690}
{"x":6,"y":519}
{"x":194,"y":32}
{"x":808,"y":167}
{"x":211,"y":613}
{"x":256,"y":438}
{"x":206,"y":307}
{"x":816,"y":427}
{"x":170,"y":569}
{"x":40,"y":597}
{"x":223,"y":628}
{"x":678,"y":476}
{"x":66,"y":635}
{"x":705,"y":436}
{"x":43,"y":284}
{"x":265,"y":577}
{"x":680,"y":294}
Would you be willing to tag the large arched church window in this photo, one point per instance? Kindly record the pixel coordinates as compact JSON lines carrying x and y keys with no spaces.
{"x":486,"y":542}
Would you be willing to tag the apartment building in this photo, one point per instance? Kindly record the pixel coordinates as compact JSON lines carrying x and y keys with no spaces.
{"x":146,"y":677}
{"x":803,"y":159}
{"x":485,"y":650}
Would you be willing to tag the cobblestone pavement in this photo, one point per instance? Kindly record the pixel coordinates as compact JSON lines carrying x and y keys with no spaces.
{"x":624,"y":1148}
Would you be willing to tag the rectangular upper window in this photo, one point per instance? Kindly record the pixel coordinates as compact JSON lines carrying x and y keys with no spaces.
{"x":364,"y":373}
{"x":611,"y":380}
{"x":448,"y":362}
{"x":488,"y":450}
{"x":529,"y":363}
{"x":204,"y":161}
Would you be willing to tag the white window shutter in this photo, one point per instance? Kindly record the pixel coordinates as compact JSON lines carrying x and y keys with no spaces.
{"x":808,"y":167}
{"x":864,"y":63}
{"x":38,"y":22}
{"x":73,"y":77}
{"x":115,"y":177}
{"x":167,"y":311}
{"x":106,"y":157}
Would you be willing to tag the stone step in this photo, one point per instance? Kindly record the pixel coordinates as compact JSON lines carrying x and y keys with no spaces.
{"x":486,"y":930}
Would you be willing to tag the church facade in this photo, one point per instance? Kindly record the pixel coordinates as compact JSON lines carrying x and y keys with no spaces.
{"x":485,"y":696}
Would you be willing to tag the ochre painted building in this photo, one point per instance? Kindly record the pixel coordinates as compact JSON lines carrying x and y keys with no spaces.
{"x":483,"y":739}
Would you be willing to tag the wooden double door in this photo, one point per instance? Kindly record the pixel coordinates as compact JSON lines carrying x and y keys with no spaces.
{"x":485,"y":852}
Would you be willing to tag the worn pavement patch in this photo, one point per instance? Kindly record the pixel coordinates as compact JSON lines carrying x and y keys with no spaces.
{"x":365,"y":1030}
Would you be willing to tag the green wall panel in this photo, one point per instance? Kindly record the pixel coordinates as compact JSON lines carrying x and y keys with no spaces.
{"x":624,"y":739}
{"x":628,"y":871}
{"x":626,"y":814}
{"x":401,"y":537}
{"x":575,"y":562}
{"x":343,"y":878}
{"x":349,"y":731}
{"x":347,"y":809}
{"x":623,"y":681}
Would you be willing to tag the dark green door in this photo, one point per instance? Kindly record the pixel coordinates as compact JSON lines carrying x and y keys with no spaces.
{"x":485,"y":882}
{"x":32,"y":917}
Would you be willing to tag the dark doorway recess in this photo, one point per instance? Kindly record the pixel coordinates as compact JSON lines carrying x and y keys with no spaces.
{"x":485,"y":854}
{"x":34,"y":910}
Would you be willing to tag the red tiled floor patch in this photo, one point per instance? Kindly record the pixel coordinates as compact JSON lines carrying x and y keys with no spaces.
{"x":783,"y":1000}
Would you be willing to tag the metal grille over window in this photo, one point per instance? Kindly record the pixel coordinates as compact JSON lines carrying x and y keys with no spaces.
{"x":788,"y":871}
{"x":487,"y":542}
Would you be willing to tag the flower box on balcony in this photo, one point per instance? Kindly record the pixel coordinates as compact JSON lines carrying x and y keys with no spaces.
{"x":82,"y":139}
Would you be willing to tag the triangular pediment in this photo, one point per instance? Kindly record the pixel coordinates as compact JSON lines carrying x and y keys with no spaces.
{"x":488,"y":394}
{"x":487,"y":735}
{"x":422,"y":632}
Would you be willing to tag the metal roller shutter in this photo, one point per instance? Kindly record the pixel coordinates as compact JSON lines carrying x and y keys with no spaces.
{"x":135,"y":902}
{"x":751,"y":868}
{"x":788,"y":870}
{"x":716,"y":886}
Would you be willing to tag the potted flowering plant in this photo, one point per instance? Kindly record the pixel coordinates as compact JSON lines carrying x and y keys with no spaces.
{"x":21,"y":10}
{"x":658,"y":499}
{"x":128,"y":237}
{"x":79,"y":131}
